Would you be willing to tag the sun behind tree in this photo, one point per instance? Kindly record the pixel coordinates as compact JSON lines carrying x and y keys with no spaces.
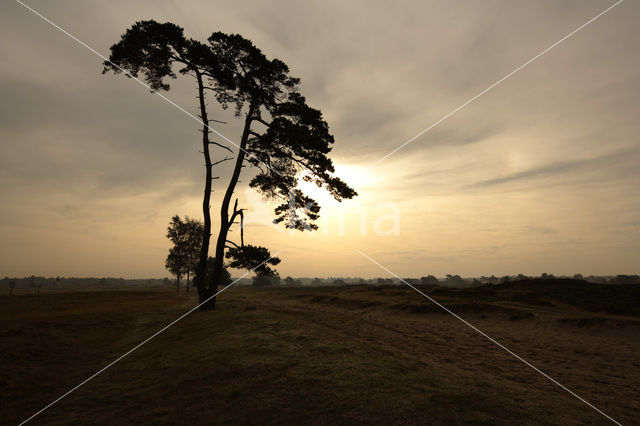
{"x":283,"y":138}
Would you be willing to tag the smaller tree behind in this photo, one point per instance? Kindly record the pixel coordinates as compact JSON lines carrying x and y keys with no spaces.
{"x":186,"y":236}
{"x":175,"y":264}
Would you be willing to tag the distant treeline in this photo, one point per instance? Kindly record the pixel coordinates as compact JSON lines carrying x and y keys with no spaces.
{"x":448,"y":281}
{"x":38,"y":282}
{"x":457,"y":281}
{"x":61,"y":282}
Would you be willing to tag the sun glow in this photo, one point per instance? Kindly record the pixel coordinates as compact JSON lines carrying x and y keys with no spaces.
{"x":355,"y":176}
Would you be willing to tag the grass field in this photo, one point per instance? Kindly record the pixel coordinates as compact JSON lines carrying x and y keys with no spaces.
{"x":323,"y":355}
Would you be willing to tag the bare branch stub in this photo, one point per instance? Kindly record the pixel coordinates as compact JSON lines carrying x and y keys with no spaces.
{"x":220,"y":145}
{"x":222,"y":161}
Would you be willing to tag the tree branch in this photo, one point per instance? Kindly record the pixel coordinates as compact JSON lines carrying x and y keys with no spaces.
{"x":220,"y":145}
{"x":241,"y":228}
{"x":236,"y":212}
{"x":258,"y":165}
{"x":260,"y":120}
{"x":221,"y":161}
{"x":234,"y":244}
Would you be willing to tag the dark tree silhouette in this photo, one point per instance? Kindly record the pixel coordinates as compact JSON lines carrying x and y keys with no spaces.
{"x":12,"y":285}
{"x":429,"y":280}
{"x":225,"y":277}
{"x":266,"y":280}
{"x":186,"y":236}
{"x":152,"y":49}
{"x":282,"y":137}
{"x":252,"y":257}
{"x":454,"y":280}
{"x":175,"y":264}
{"x":292,"y":282}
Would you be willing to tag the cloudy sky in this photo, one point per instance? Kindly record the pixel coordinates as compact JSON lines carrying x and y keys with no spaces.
{"x":540,"y":174}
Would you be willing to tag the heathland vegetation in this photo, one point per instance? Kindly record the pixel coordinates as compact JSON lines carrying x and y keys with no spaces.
{"x":323,"y":354}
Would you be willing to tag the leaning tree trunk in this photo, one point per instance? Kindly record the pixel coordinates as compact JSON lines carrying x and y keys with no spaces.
{"x":214,"y":279}
{"x":204,"y":293}
{"x":187,"y":287}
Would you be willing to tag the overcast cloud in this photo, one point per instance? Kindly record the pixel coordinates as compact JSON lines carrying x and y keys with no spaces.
{"x":538,"y":175}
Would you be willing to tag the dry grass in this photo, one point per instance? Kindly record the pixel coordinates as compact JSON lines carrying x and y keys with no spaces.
{"x":315,"y":356}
